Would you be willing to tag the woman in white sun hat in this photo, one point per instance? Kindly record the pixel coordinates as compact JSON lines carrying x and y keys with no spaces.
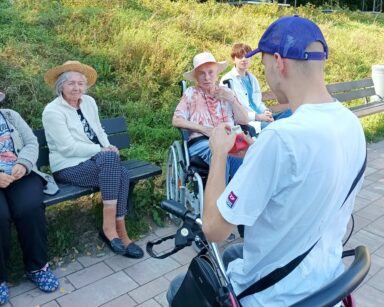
{"x":80,"y":153}
{"x":206,"y":105}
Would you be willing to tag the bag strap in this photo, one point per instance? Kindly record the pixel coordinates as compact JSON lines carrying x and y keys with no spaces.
{"x":274,"y":277}
{"x":279,"y":273}
{"x":357,"y":179}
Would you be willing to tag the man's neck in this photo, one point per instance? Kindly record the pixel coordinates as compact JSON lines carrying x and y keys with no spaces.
{"x":308,"y":94}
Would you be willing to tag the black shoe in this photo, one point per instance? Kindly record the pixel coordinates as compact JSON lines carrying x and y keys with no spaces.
{"x":134,"y":251}
{"x":116,"y":245}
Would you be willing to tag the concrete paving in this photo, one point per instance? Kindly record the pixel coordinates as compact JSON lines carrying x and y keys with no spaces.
{"x":113,"y":280}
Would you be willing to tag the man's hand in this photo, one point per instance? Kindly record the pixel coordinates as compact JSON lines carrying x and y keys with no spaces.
{"x":18,"y":171}
{"x":241,"y":153}
{"x":222,"y":140}
{"x":5,"y":180}
{"x":224,"y":95}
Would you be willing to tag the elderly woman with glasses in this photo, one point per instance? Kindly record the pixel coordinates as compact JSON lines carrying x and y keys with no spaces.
{"x":206,"y":105}
{"x":80,"y":153}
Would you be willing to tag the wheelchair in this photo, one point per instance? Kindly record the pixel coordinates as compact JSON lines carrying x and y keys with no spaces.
{"x":185,"y":175}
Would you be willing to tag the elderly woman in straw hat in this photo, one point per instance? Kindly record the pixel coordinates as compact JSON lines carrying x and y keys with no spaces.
{"x":21,"y":202}
{"x":206,"y":105}
{"x":80,"y":153}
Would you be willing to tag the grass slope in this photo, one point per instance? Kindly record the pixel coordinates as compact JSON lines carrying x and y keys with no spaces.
{"x":140,"y":48}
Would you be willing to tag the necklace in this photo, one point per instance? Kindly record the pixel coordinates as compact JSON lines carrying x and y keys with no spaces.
{"x":211,"y":104}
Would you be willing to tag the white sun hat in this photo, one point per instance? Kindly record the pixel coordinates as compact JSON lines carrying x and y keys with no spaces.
{"x":200,"y":59}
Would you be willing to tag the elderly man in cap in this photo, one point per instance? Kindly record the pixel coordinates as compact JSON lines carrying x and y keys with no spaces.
{"x":205,"y":106}
{"x":297,"y":212}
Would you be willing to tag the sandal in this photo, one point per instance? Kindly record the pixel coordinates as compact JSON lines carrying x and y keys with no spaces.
{"x":44,"y":279}
{"x":4,"y":293}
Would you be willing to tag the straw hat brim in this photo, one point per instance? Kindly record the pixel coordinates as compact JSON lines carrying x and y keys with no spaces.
{"x":189,"y":75}
{"x":89,"y":72}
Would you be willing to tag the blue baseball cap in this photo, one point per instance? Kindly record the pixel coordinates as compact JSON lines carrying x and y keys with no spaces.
{"x":289,"y":36}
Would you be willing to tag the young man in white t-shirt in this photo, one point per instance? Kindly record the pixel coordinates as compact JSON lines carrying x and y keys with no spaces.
{"x":308,"y":163}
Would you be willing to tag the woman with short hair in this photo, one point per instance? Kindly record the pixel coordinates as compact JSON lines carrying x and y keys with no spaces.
{"x":205,"y":105}
{"x":80,"y":152}
{"x":21,"y":202}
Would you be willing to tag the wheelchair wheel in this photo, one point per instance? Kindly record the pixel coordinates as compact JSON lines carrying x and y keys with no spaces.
{"x":174,"y":178}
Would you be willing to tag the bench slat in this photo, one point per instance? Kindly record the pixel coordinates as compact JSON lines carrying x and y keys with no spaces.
{"x":143,"y":172}
{"x":368,"y":109}
{"x":348,"y":96}
{"x":121,"y":141}
{"x":114,"y":125}
{"x":40,"y":137}
{"x":348,"y":86}
{"x":67,"y":192}
{"x":43,"y":157}
{"x":137,"y":170}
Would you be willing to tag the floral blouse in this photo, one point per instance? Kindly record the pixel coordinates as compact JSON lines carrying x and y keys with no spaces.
{"x":203,"y":109}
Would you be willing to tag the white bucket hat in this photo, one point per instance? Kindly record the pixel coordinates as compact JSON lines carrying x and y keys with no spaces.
{"x":200,"y":59}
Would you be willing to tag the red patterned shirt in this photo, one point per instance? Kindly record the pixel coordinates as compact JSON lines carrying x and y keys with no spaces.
{"x":203,"y":109}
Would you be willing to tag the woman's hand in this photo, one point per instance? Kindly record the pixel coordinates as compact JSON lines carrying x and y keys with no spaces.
{"x":5,"y":180}
{"x":224,"y":95}
{"x":110,"y":148}
{"x":18,"y":171}
{"x":207,"y":131}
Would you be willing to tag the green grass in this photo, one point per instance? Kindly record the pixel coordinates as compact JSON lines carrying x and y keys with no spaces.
{"x":140,"y":48}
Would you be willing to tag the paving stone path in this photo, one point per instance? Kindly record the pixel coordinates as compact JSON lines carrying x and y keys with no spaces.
{"x":113,"y":280}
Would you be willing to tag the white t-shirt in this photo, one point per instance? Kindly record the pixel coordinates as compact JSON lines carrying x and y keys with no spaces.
{"x":288,"y":194}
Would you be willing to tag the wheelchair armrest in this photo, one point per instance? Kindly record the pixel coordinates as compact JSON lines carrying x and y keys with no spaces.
{"x":199,"y":165}
{"x":343,"y":285}
{"x":248,"y":129}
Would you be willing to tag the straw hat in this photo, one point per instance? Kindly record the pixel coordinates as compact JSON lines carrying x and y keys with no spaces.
{"x":200,"y":59}
{"x":51,"y":75}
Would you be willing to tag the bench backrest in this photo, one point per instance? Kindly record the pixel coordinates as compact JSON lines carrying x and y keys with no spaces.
{"x":115,"y":128}
{"x":343,"y":91}
{"x":347,"y":91}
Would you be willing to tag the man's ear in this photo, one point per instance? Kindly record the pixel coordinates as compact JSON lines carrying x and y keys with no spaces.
{"x":281,"y":64}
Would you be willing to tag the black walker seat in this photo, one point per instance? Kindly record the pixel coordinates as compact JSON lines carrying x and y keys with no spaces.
{"x":117,"y":131}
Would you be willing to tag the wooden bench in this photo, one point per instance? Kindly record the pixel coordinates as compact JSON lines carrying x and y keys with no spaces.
{"x":256,"y":2}
{"x":350,"y":91}
{"x":117,"y":131}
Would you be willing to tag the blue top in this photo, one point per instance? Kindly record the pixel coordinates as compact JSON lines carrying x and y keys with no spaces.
{"x":7,"y":150}
{"x":248,"y":86}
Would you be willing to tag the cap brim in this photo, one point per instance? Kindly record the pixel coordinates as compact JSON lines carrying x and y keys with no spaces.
{"x":252,"y":53}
